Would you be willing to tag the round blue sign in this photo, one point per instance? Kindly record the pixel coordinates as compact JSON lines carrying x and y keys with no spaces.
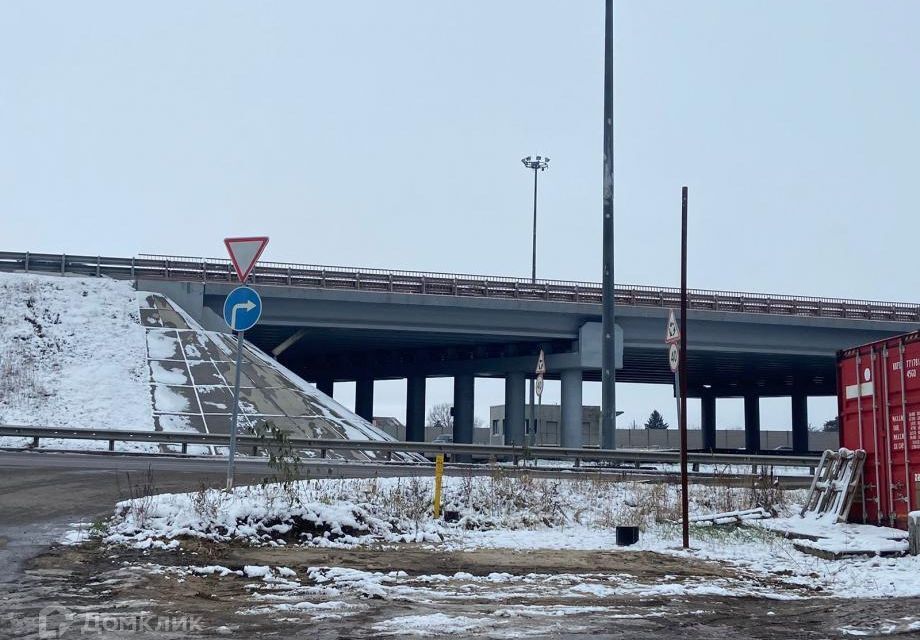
{"x":242,"y":309}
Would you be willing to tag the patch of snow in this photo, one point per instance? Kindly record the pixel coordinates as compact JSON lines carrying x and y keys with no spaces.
{"x":167,"y":399}
{"x":252,"y":571}
{"x":73,"y":354}
{"x":432,"y":624}
{"x":172,"y":375}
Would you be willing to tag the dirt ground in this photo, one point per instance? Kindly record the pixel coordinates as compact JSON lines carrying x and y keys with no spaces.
{"x":91,"y":579}
{"x":126,"y":584}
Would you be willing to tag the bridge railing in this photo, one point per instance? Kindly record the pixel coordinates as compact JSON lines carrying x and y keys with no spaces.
{"x":385,"y":449}
{"x":184,"y":268}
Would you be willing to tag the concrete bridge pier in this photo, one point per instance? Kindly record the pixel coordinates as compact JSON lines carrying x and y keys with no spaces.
{"x":752,"y":422}
{"x":571,"y":380}
{"x":799,"y":422}
{"x":464,"y":386}
{"x":514,"y":407}
{"x":708,"y":420}
{"x":415,"y":408}
{"x":364,"y":398}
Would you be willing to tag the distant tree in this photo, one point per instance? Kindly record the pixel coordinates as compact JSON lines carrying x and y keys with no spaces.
{"x":831,"y":425}
{"x":655,"y":421}
{"x":441,"y":416}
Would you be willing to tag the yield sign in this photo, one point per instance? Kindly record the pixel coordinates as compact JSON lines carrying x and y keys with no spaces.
{"x":672,"y":333}
{"x":244,"y":252}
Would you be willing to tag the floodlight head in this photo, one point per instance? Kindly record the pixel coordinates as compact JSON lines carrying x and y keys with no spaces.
{"x":535,"y":163}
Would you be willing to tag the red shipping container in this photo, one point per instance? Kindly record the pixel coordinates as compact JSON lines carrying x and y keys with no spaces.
{"x":878,"y":385}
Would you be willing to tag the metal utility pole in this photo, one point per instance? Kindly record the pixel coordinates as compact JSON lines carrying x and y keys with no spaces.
{"x":684,"y":498}
{"x":608,"y":338}
{"x":538,"y":163}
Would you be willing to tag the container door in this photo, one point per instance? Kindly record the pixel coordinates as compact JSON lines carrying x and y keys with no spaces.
{"x":859,"y":429}
{"x":903,"y":397}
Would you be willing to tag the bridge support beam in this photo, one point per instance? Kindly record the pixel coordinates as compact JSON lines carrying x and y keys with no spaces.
{"x":752,"y":422}
{"x":415,"y":409}
{"x":514,"y":408}
{"x":799,"y":422}
{"x":464,"y":386}
{"x":364,"y":398}
{"x":326,"y":385}
{"x":708,"y":420}
{"x":571,"y":407}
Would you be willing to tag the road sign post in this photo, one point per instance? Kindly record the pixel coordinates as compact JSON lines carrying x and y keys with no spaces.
{"x":242,"y":310}
{"x":540,"y":371}
{"x":672,"y":339}
{"x":684,"y":498}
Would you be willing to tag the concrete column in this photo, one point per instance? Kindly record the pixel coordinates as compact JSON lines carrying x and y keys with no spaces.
{"x":364,"y":398}
{"x":571,"y":408}
{"x":514,"y":407}
{"x":463,"y":408}
{"x":325,"y":385}
{"x":752,"y":423}
{"x":415,"y":409}
{"x":800,"y":423}
{"x":708,"y":420}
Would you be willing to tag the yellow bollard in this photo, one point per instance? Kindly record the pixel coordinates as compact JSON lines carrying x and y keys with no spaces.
{"x":438,"y":472}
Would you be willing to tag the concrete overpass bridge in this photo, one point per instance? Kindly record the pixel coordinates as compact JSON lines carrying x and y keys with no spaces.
{"x":350,"y":324}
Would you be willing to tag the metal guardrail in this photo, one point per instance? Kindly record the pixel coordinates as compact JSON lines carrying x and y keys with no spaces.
{"x":181,"y":268}
{"x":36,"y":434}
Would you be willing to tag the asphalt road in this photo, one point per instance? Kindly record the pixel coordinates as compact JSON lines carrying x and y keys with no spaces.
{"x":41,"y":493}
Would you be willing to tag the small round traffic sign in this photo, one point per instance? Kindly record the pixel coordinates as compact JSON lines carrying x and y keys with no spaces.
{"x":242,"y":309}
{"x":673,"y":357}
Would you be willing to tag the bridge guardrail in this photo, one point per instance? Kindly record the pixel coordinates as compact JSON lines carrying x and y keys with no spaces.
{"x":156,"y":267}
{"x":36,"y":434}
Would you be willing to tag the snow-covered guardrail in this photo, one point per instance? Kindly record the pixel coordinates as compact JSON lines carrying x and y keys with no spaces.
{"x":482,"y":451}
{"x":189,"y":269}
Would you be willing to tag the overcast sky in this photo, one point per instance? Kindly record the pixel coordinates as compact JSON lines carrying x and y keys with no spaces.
{"x":389,"y":134}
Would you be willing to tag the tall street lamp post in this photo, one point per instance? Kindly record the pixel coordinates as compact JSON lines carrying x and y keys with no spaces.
{"x":538,"y":163}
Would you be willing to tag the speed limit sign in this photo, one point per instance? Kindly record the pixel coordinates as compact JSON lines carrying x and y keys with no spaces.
{"x":673,"y":357}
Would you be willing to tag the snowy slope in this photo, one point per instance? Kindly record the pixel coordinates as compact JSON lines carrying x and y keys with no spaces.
{"x":93,"y":353}
{"x":71,"y":353}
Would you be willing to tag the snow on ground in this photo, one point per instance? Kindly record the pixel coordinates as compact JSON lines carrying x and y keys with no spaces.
{"x":513,"y":513}
{"x":72,"y":354}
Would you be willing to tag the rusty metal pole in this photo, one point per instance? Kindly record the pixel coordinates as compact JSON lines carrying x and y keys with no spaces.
{"x":684,"y":497}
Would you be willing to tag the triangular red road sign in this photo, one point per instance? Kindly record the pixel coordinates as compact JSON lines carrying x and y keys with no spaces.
{"x":244,"y":253}
{"x":672,"y":333}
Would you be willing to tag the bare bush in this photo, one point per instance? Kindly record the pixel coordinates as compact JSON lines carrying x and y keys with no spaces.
{"x":19,"y":380}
